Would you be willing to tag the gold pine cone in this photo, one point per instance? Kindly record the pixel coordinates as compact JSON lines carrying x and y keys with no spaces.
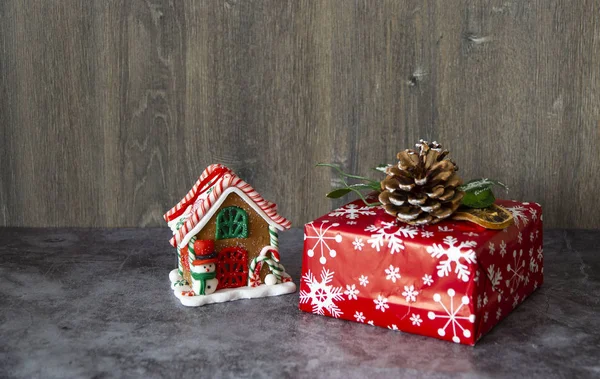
{"x":422,"y":188}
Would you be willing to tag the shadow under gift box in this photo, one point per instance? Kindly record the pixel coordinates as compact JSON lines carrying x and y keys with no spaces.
{"x":453,"y":280}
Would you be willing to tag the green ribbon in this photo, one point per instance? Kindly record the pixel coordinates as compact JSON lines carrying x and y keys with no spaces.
{"x":203,"y":277}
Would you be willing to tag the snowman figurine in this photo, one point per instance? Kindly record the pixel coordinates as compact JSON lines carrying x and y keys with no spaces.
{"x":204,"y":277}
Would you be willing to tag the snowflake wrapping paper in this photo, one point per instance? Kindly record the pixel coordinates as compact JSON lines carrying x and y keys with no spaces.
{"x":453,"y":280}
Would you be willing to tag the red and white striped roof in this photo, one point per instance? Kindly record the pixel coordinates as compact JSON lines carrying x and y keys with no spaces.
{"x":199,"y":205}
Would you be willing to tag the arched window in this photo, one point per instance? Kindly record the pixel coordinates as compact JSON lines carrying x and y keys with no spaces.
{"x":232,"y":222}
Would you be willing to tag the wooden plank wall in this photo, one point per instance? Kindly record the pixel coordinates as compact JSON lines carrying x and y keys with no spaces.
{"x":109,"y":110}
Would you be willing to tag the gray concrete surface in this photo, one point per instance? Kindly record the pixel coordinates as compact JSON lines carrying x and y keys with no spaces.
{"x":96,"y":303}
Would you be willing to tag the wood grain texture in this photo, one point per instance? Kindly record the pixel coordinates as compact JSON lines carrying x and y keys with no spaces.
{"x":109,"y":110}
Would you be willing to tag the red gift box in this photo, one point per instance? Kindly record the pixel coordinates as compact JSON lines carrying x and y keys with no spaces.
{"x":453,"y":280}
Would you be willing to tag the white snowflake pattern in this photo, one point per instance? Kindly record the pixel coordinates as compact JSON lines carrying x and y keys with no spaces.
{"x":516,"y":271}
{"x":445,"y":229}
{"x":381,"y":303}
{"x":352,"y":211}
{"x":451,"y":315}
{"x":454,"y":254}
{"x":392,"y":273}
{"x":518,"y":212}
{"x":416,"y":319}
{"x":351,"y":292}
{"x":540,"y":253}
{"x":533,"y":265}
{"x":426,"y":234}
{"x":520,"y":237}
{"x":485,"y":316}
{"x":498,"y":314}
{"x":363,"y":280}
{"x":351,"y":223}
{"x":410,"y":294}
{"x":358,"y":244}
{"x":393,"y":327}
{"x":392,"y":234}
{"x":427,"y":280}
{"x":515,"y":301}
{"x":502,"y":248}
{"x":533,"y":213}
{"x":321,"y":241}
{"x":322,"y":295}
{"x":471,"y":234}
{"x":531,"y":236}
{"x":494,"y":275}
{"x":371,"y":322}
{"x":492,"y":248}
{"x":359,"y":316}
{"x":482,"y":300}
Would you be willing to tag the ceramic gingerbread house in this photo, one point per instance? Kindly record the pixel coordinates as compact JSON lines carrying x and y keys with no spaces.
{"x":226,"y":237}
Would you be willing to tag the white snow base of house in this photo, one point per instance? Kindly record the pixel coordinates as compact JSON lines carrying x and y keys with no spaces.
{"x":228,"y":294}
